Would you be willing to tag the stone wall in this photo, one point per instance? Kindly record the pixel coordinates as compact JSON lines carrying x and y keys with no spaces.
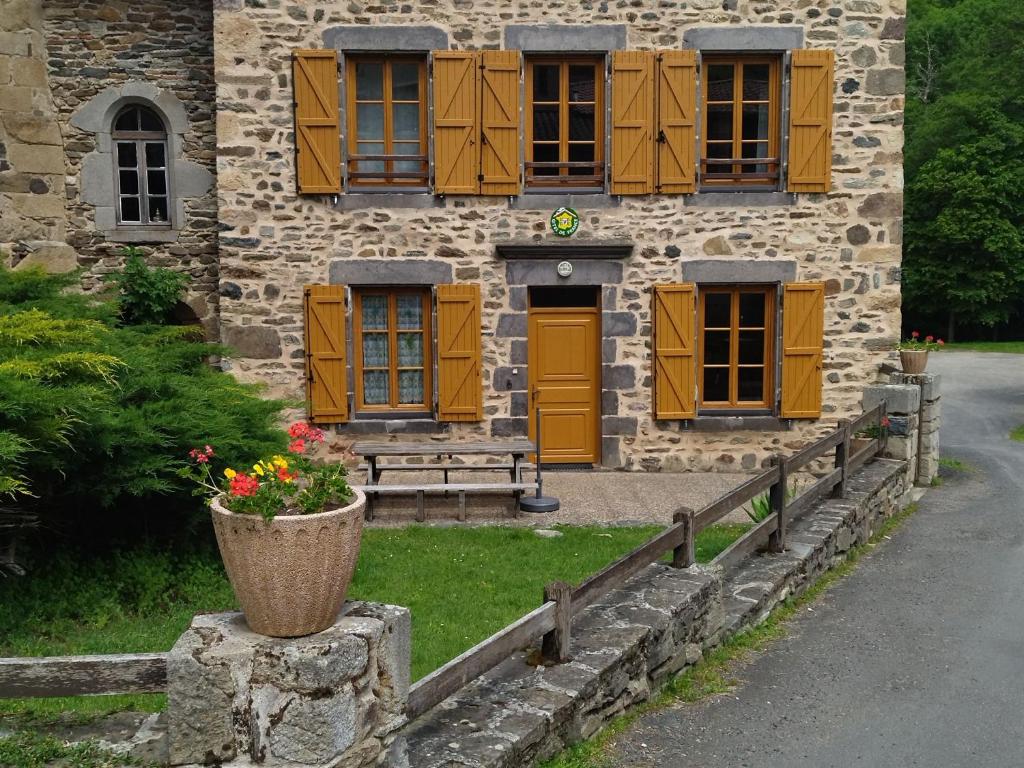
{"x":914,"y":405}
{"x":274,"y":241}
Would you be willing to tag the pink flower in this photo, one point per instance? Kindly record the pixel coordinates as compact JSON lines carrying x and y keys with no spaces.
{"x":297,"y":446}
{"x":929,"y":338}
{"x":200,"y":457}
{"x":208,"y":450}
{"x":940,"y":342}
{"x":885,"y":421}
{"x":914,"y":334}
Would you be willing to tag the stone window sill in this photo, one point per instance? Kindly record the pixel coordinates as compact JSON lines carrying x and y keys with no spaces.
{"x":392,"y":425}
{"x":385,"y":198}
{"x":745,"y":198}
{"x":548,"y":201}
{"x":727,"y":423}
{"x":162,"y":235}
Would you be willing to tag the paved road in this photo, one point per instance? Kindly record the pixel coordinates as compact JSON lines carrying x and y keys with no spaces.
{"x":915,"y":659}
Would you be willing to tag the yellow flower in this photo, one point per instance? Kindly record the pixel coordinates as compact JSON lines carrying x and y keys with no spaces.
{"x":258,"y":469}
{"x":280,"y":463}
{"x":229,"y":473}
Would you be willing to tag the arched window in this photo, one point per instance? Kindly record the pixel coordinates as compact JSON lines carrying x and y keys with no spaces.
{"x":140,"y":151}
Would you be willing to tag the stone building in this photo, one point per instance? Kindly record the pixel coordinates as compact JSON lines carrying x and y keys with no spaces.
{"x":725,"y":179}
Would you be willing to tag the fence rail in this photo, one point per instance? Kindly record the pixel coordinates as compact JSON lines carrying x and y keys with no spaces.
{"x":144,"y":673}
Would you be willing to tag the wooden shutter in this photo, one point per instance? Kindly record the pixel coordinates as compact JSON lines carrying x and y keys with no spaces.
{"x":317,"y":131}
{"x":675,"y":377}
{"x":456,"y":123}
{"x":499,"y":120}
{"x":632,"y":122}
{"x":803,"y":336}
{"x":326,"y":359}
{"x":459,"y":364}
{"x":810,"y":121}
{"x":677,"y":121}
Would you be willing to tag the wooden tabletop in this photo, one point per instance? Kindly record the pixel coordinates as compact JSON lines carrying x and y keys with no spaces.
{"x":432,"y":449}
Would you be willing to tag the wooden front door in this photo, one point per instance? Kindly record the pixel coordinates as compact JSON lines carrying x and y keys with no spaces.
{"x":565,"y":383}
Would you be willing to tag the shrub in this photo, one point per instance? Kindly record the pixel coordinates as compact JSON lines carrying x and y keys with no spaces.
{"x":146,"y":295}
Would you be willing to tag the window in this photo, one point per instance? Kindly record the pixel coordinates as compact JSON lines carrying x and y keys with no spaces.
{"x":740,"y":136}
{"x":392,"y":349}
{"x":387,"y":122}
{"x":565,"y":123}
{"x":140,"y":153}
{"x":735,"y":347}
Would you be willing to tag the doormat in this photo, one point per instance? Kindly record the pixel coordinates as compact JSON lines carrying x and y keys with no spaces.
{"x":567,"y":467}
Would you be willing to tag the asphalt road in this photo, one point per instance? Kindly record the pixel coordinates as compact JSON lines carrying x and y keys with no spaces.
{"x":916,"y":658}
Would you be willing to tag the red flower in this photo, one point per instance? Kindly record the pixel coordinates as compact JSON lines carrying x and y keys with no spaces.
{"x":940,"y":342}
{"x":285,"y":476}
{"x":929,"y":339}
{"x":914,"y":334}
{"x":298,"y":429}
{"x":297,"y":446}
{"x":885,"y":421}
{"x":200,"y":457}
{"x":208,"y":450}
{"x":243,"y":485}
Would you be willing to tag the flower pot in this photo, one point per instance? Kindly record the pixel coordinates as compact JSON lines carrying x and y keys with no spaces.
{"x":914,"y":360}
{"x":291,"y":574}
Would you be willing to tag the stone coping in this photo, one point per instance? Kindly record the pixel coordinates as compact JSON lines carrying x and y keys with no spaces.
{"x":628,"y":644}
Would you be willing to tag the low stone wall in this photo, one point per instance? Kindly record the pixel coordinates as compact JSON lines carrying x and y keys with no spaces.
{"x":914,"y":407}
{"x":628,"y":644}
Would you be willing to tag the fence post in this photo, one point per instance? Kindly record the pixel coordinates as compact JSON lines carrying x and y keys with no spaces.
{"x":777,"y":499}
{"x":555,"y":644}
{"x":842,"y":460}
{"x":883,"y":432}
{"x":684,"y":555}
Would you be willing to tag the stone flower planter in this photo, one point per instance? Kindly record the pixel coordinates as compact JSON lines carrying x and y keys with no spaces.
{"x":914,"y":360}
{"x":290,"y":575}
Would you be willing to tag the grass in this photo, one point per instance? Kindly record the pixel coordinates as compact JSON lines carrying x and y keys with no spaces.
{"x":947,"y":462}
{"x":1017,"y":433}
{"x":715,"y":673}
{"x":461,"y":584}
{"x":35,"y":750}
{"x":1015,"y":347}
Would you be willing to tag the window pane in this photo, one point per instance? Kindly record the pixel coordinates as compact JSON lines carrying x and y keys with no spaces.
{"x":127,"y":120}
{"x":716,"y":310}
{"x":755,"y":82}
{"x":716,"y":347}
{"x":155,"y":157}
{"x":410,"y":387}
{"x":129,"y":182}
{"x":751,"y":384}
{"x":150,"y":121}
{"x":375,"y":388}
{"x":581,"y":153}
{"x":375,"y":350}
{"x":158,"y":209}
{"x":413,"y":166}
{"x":406,"y":121}
{"x":375,"y":312}
{"x":405,"y":81}
{"x":410,"y":311}
{"x":545,"y":123}
{"x":130,"y":209}
{"x":751,"y":347}
{"x":752,"y":310}
{"x":156,"y":182}
{"x":581,"y":122}
{"x":581,"y":82}
{"x":369,"y":82}
{"x":370,"y":121}
{"x":545,"y":153}
{"x":410,"y":350}
{"x":720,"y":77}
{"x":755,"y":122}
{"x":545,"y":82}
{"x":126,"y":155}
{"x":719,"y":122}
{"x":716,"y":385}
{"x":370,"y":148}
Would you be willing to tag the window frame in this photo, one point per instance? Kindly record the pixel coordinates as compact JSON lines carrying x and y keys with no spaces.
{"x":391,"y":181}
{"x":595,"y":183}
{"x":139,"y":139}
{"x":768,"y":364}
{"x":775,"y":111}
{"x":392,"y":406}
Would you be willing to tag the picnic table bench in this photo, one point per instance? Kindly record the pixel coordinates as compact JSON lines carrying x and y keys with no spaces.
{"x":516,"y":450}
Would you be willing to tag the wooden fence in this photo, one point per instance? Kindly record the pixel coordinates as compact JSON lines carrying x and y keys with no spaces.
{"x":551,"y":622}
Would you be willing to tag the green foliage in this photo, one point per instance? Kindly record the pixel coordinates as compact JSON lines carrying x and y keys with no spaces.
{"x":1017,"y":434}
{"x":146,"y":295}
{"x":93,"y":410}
{"x":964,"y":255}
{"x":28,"y":749}
{"x":761,"y":506}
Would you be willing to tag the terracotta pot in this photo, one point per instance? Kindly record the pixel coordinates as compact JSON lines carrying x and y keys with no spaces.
{"x":290,"y":575}
{"x":914,"y":360}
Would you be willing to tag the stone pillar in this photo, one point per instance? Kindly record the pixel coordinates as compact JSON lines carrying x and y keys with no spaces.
{"x":903,"y":404}
{"x":930,"y":418}
{"x":334,"y":698}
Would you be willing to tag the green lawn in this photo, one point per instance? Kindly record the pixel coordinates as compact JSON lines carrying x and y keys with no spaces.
{"x":461,"y":584}
{"x":1017,"y":433}
{"x":1016,"y":347}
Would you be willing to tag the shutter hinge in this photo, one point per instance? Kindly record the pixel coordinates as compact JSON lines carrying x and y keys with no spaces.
{"x":479,"y":177}
{"x":661,"y":137}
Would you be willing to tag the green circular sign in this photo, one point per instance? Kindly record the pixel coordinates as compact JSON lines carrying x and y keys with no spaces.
{"x":565,"y":222}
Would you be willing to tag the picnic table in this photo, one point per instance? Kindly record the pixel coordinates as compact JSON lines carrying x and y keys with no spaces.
{"x":445,"y":453}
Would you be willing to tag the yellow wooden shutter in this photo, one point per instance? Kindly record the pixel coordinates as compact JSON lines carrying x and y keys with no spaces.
{"x":459,"y":364}
{"x":677,"y":121}
{"x":317,"y":132}
{"x":803,"y":336}
{"x":632,"y":122}
{"x":810,"y":121}
{"x":326,"y":363}
{"x":456,"y":123}
{"x":675,"y":378}
{"x":499,"y":119}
